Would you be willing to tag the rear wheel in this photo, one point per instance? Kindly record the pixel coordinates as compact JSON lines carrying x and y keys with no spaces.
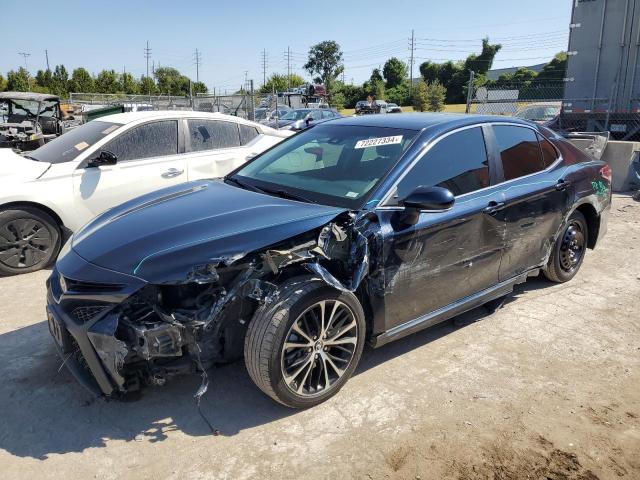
{"x":29,"y":240}
{"x":569,"y":250}
{"x":302,"y":348}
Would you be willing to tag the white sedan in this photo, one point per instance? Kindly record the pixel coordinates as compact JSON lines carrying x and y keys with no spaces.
{"x":54,"y":190}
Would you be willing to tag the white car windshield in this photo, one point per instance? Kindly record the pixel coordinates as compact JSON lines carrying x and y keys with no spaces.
{"x":68,"y":146}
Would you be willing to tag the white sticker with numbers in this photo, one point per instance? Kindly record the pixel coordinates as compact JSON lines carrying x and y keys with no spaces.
{"x":376,"y":142}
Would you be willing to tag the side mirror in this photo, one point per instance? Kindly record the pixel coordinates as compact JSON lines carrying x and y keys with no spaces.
{"x":432,"y":199}
{"x":104,"y":158}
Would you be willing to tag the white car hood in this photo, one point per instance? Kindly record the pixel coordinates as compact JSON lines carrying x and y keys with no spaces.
{"x":15,"y":168}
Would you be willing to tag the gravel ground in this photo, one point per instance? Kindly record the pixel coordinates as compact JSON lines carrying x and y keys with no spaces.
{"x":547,"y":387}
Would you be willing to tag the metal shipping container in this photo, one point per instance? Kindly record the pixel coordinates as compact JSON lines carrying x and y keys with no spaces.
{"x":603,"y":82}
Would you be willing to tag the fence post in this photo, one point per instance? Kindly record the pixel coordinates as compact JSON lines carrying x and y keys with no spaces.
{"x":469,"y":91}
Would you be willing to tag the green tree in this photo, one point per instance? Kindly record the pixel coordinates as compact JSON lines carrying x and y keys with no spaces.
{"x":399,"y":94}
{"x":435,"y":96}
{"x":107,"y":82}
{"x":3,"y":84}
{"x":147,"y":86}
{"x":278,"y":83}
{"x":555,"y":71}
{"x":44,"y":79}
{"x":325,"y":60}
{"x":199,"y":87}
{"x":419,"y":98}
{"x":60,"y":81}
{"x":394,"y":71}
{"x":129,"y":84}
{"x":81,"y":81}
{"x":18,"y":81}
{"x":375,"y":77}
{"x":171,"y":82}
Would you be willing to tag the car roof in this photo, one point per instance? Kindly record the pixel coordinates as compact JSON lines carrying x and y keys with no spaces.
{"x":36,"y":97}
{"x":129,"y":117}
{"x":420,"y":121}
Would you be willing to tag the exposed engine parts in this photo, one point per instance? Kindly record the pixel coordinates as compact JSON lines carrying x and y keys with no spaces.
{"x":165,"y":330}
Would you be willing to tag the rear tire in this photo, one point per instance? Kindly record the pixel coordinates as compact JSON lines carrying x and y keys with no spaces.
{"x":304,"y":364}
{"x":29,"y":240}
{"x":569,"y":250}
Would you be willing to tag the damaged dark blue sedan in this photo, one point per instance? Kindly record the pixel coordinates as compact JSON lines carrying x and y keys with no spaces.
{"x":356,"y":230}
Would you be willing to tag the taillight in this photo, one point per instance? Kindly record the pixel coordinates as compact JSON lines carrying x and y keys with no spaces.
{"x":605,"y":172}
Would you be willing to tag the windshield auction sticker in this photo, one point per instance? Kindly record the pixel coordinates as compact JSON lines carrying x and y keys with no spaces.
{"x":376,"y":142}
{"x":81,"y":146}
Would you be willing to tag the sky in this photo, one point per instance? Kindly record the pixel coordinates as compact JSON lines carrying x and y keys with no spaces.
{"x":231,"y":35}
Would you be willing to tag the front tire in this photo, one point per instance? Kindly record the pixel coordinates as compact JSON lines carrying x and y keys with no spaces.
{"x":302,"y":348}
{"x":29,"y":240}
{"x":569,"y":250}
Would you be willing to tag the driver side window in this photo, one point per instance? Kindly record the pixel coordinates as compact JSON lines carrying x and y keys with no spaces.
{"x":458,"y":162}
{"x":154,"y":139}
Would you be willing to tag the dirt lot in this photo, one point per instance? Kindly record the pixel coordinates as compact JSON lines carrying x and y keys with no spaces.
{"x":547,"y":387}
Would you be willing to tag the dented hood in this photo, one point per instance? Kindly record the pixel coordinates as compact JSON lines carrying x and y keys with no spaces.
{"x":161,"y":236}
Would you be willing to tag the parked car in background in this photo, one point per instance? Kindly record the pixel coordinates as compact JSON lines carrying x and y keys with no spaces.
{"x":377,"y":106}
{"x":543,"y":113}
{"x":360,"y":229}
{"x":266,"y":115}
{"x":301,"y":118}
{"x":29,"y":120}
{"x":362,"y":105}
{"x":393,"y":108}
{"x":59,"y":187}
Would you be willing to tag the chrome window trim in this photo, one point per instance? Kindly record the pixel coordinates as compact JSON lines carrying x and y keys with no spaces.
{"x":381,"y":205}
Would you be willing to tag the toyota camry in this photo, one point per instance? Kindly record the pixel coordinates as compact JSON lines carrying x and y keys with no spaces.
{"x":360,"y":229}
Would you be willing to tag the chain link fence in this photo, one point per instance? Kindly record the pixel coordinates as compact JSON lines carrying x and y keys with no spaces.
{"x":545,"y":103}
{"x":241,"y":105}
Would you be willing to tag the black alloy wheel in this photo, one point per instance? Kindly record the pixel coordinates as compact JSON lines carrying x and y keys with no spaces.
{"x":29,"y":241}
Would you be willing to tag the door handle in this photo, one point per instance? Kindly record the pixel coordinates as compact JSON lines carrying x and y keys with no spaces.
{"x":493,"y":207}
{"x":562,"y":184}
{"x":172,"y":172}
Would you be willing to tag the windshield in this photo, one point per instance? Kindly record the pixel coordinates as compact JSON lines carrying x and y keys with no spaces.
{"x":68,"y":146}
{"x":547,"y":112}
{"x":295,"y":115}
{"x":30,"y":108}
{"x":330,"y":164}
{"x":261,"y":114}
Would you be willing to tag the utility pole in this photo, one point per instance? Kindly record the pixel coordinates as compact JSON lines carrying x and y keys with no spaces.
{"x":264,"y":67}
{"x":412,"y":47}
{"x":198,"y":63}
{"x":287,"y":57}
{"x":147,"y":55}
{"x":46,"y":54}
{"x":252,"y":113}
{"x":25,"y":55}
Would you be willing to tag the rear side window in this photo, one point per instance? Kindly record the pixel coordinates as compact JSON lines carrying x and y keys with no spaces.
{"x":155,"y":139}
{"x":519,"y":151}
{"x":212,"y":134}
{"x":549,"y":154}
{"x":457,"y":162}
{"x":247,"y":133}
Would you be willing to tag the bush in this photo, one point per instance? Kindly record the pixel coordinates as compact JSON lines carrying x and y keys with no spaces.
{"x":419,"y":98}
{"x":435,"y":95}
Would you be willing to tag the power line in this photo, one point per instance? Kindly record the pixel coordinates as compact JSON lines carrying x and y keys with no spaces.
{"x":147,"y":55}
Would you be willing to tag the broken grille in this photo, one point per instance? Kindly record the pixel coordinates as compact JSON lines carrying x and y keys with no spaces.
{"x":84,"y":314}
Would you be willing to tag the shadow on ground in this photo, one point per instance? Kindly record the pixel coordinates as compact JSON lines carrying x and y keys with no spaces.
{"x":44,"y":411}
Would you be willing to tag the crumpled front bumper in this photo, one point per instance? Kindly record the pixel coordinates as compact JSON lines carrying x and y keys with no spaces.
{"x":80,"y":319}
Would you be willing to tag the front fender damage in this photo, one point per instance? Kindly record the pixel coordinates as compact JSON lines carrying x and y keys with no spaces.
{"x":187,"y":327}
